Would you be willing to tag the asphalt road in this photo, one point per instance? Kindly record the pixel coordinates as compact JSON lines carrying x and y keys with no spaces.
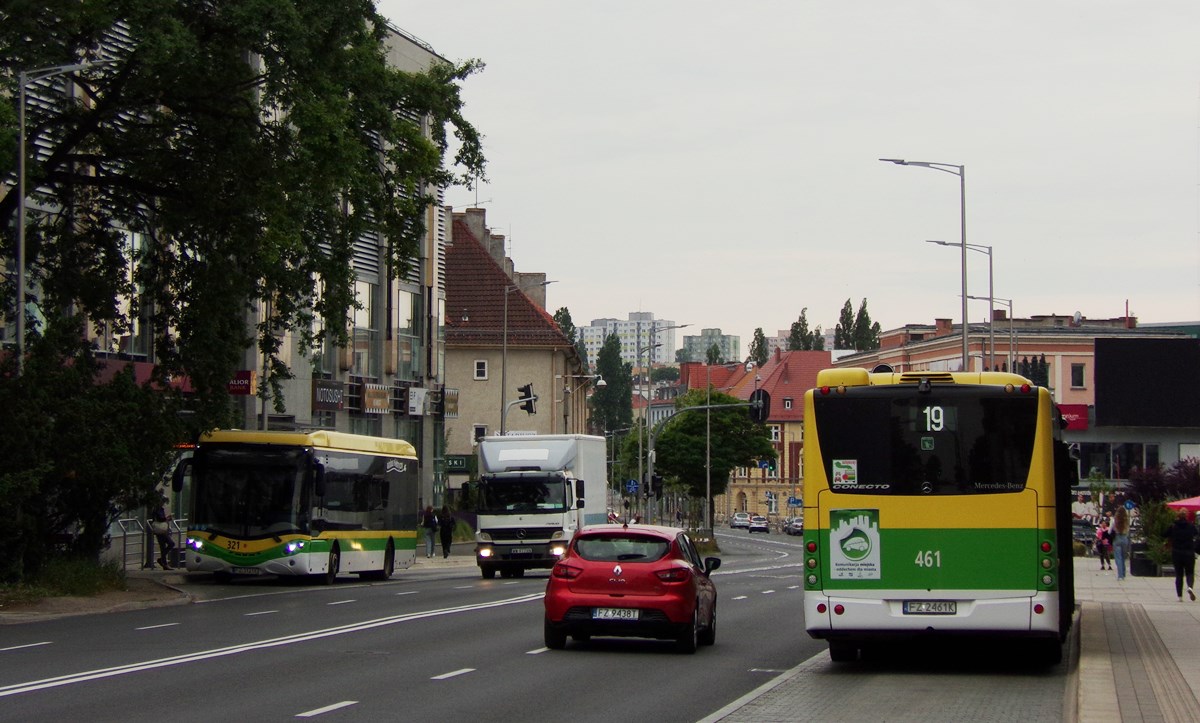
{"x":430,"y":644}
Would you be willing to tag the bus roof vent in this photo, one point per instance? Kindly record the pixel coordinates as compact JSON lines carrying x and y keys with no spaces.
{"x":933,"y":377}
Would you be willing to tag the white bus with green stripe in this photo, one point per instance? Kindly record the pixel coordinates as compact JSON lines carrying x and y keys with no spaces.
{"x":314,"y":504}
{"x":936,"y":504}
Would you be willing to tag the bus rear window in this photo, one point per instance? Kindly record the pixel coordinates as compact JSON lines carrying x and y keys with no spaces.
{"x":953,"y":441}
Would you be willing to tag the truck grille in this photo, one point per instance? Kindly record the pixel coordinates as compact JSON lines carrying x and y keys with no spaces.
{"x":522,"y":533}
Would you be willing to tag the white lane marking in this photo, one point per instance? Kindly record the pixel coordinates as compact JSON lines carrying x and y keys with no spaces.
{"x":740,"y":597}
{"x":793,"y":587}
{"x":766,"y":670}
{"x":511,"y":582}
{"x":261,"y":612}
{"x":318,"y":711}
{"x":536,"y":651}
{"x":767,"y":592}
{"x":453,"y":673}
{"x":410,"y":592}
{"x":27,"y":645}
{"x":464,"y":587}
{"x":102,"y":673}
{"x":340,"y":602}
{"x":155,"y":627}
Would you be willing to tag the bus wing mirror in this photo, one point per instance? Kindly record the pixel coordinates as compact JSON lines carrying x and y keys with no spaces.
{"x":181,"y":471}
{"x":318,"y":475}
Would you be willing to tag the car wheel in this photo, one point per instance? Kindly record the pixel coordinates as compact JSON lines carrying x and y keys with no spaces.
{"x":842,"y":652}
{"x":555,"y":639}
{"x":687,"y":640}
{"x":708,"y":636}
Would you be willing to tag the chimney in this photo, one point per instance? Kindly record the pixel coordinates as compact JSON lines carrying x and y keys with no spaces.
{"x":942,"y":327}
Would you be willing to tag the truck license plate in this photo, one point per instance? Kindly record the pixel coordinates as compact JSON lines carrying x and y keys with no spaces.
{"x":522,"y":551}
{"x":615,"y":614}
{"x":930,"y":607}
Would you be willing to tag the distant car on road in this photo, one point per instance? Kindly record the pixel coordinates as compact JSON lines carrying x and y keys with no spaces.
{"x":758,"y":523}
{"x":794,"y":526}
{"x":740,"y":519}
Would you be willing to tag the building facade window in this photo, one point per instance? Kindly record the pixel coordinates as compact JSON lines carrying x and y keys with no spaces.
{"x":481,"y":369}
{"x":1077,"y":379}
{"x":774,"y":432}
{"x":366,"y":338}
{"x":787,"y":402}
{"x":479,"y":432}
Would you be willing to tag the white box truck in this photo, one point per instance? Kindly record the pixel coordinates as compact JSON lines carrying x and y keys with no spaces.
{"x":533,"y":493}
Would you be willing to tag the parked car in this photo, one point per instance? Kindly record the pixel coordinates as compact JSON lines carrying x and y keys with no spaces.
{"x":642,"y":581}
{"x":740,"y":520}
{"x":794,"y":526}
{"x":758,"y":523}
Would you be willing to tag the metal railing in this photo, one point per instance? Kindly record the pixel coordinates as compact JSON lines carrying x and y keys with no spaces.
{"x":135,"y":547}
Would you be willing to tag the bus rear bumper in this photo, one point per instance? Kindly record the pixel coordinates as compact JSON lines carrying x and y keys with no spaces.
{"x":883,"y":616}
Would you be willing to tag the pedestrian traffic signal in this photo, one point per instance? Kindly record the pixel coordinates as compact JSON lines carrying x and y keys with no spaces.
{"x":528,"y":398}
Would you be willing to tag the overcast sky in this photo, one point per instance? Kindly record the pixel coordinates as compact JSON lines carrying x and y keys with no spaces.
{"x":715,"y":163}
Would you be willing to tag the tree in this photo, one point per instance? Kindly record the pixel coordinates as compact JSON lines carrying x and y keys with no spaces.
{"x":801,"y":339}
{"x":562,"y":317}
{"x":732,"y":441}
{"x":664,"y":374}
{"x":866,"y":333}
{"x":231,"y":205}
{"x":758,"y":347}
{"x":843,"y":333}
{"x":713,"y":355}
{"x":612,"y":404}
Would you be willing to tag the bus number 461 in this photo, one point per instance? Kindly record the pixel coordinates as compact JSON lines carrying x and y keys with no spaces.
{"x":929,"y":558}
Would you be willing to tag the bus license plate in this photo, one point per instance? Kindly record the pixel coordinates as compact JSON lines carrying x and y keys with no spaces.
{"x":245,"y":571}
{"x":930,"y":607}
{"x":615,"y":614}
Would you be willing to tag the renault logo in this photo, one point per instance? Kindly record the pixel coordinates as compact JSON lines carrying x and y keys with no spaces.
{"x":617,"y":570}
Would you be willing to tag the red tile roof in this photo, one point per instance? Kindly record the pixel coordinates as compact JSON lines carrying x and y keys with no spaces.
{"x":786,"y":375}
{"x":475,"y":289}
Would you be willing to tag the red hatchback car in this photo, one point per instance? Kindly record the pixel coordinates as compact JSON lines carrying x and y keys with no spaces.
{"x":640,"y":581}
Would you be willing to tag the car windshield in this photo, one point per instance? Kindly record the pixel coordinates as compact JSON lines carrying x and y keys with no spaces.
{"x":621,"y":547}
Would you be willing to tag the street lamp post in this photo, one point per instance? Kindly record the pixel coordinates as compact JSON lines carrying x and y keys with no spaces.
{"x":1011,"y":333}
{"x":504,"y":354}
{"x":24,"y":78}
{"x":961,"y":172}
{"x":991,"y":295}
{"x":569,"y":392}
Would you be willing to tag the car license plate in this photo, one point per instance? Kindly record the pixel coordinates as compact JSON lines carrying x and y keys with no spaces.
{"x":522,"y":551}
{"x":614,"y":614}
{"x":930,"y":607}
{"x":245,"y":571}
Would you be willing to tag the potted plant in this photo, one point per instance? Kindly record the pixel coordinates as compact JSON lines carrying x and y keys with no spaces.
{"x":1155,"y":518}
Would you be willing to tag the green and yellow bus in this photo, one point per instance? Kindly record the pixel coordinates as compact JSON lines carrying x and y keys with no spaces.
{"x":935,"y":503}
{"x":300,"y":503}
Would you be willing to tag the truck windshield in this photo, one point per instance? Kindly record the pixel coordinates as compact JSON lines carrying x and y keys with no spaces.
{"x":524,"y":494}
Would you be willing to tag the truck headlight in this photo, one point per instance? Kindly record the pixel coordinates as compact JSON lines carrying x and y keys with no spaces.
{"x":485,"y":552}
{"x":558,"y":550}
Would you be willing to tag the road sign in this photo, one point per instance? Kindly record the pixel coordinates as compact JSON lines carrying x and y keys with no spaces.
{"x":631,"y":487}
{"x":762,"y":464}
{"x":795,"y":502}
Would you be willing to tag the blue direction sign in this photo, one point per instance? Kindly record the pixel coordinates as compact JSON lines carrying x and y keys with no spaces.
{"x":631,"y":487}
{"x":795,"y":502}
{"x":762,"y":464}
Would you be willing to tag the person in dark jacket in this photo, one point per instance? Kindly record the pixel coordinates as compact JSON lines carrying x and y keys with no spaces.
{"x":1182,"y":538}
{"x":446,"y":523}
{"x":429,"y":523}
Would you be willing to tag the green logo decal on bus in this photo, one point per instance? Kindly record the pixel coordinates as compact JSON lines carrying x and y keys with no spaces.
{"x":855,"y":549}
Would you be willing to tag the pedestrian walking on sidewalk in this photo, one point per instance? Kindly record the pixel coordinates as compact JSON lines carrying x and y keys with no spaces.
{"x":429,"y":523}
{"x":1120,"y":528}
{"x":1104,"y":538}
{"x":1181,"y":536}
{"x":160,"y":525}
{"x":446,"y":523}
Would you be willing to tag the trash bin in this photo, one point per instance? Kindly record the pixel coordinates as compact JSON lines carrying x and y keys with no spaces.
{"x":1142,"y":566}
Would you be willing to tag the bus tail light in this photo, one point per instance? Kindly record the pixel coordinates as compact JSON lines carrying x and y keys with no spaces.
{"x":839,"y":609}
{"x":1046,"y":546}
{"x":1039,"y":609}
{"x":821,"y":608}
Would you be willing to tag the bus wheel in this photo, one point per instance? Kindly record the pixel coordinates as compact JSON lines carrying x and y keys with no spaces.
{"x":842,"y":652}
{"x":389,"y":565}
{"x":335,"y":559}
{"x":488,"y":571}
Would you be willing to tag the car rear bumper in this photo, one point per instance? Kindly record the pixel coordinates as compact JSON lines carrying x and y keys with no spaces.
{"x":651,"y":623}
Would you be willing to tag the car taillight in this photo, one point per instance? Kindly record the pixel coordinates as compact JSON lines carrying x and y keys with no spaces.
{"x":566,"y":571}
{"x":673,"y":574}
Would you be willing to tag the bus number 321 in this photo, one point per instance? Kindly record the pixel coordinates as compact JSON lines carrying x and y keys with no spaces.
{"x":929,"y":558}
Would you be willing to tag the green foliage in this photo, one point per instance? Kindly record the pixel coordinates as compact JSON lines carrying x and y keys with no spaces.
{"x":713,"y":355}
{"x":801,"y":339}
{"x":758,"y":347}
{"x":1156,"y":518}
{"x":612,"y":404}
{"x":735,"y":442}
{"x":866,"y":333}
{"x":1180,"y":481}
{"x":664,"y":374}
{"x":843,"y":333}
{"x":64,"y":576}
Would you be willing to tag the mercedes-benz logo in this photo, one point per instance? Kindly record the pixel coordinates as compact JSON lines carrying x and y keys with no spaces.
{"x":520,"y":534}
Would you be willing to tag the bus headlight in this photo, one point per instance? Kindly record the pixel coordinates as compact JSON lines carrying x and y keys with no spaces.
{"x":195,"y":543}
{"x":293,"y":547}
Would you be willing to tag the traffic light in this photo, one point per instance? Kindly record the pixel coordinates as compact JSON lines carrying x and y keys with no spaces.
{"x":656,"y":483}
{"x":528,"y":398}
{"x":771,"y":462}
{"x":760,"y":406}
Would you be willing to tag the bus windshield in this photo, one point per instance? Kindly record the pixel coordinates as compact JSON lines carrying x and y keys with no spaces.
{"x":952,"y":441}
{"x":524,"y":494}
{"x":251,"y":491}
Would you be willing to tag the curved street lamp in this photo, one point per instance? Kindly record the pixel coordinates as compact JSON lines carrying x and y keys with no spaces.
{"x":991,"y":303}
{"x":961,"y":172}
